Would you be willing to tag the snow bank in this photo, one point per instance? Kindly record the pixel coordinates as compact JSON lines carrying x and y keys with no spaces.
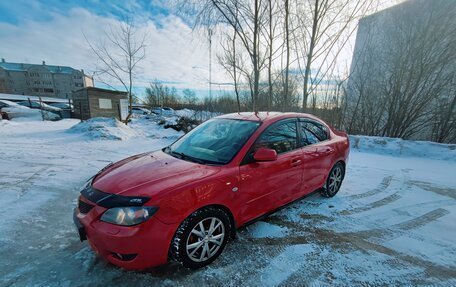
{"x":200,"y":115}
{"x":4,"y":123}
{"x":151,"y":128}
{"x":185,"y":113}
{"x":400,"y":147}
{"x":104,"y":128}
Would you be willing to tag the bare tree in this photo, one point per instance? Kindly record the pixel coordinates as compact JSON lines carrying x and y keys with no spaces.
{"x":232,"y":63}
{"x":271,"y":37}
{"x":322,"y":34}
{"x":119,"y":52}
{"x":406,"y":71}
{"x":287,"y":54}
{"x":159,"y":95}
{"x":247,"y":19}
{"x":444,"y":115}
{"x":229,"y":59}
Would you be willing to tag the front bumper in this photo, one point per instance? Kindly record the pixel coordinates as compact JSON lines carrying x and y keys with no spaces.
{"x":79,"y":226}
{"x":131,"y":247}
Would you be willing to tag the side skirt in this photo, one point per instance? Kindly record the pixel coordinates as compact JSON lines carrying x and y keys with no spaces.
{"x":277,"y":209}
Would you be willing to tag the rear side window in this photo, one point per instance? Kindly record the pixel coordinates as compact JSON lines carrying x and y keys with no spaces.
{"x":280,"y":137}
{"x":312,"y":132}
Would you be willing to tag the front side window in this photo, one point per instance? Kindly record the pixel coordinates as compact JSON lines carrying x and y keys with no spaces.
{"x":216,"y":141}
{"x":312,"y":133}
{"x":279,"y":137}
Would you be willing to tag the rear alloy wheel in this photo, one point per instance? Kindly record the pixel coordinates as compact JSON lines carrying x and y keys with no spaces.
{"x":334,"y":181}
{"x":201,"y":238}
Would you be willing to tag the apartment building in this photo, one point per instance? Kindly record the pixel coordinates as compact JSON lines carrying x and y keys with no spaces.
{"x":41,"y":80}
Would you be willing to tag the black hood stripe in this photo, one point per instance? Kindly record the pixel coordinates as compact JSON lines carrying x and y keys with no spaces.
{"x":109,"y":200}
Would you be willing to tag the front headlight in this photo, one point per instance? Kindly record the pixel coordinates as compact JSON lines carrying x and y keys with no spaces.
{"x":128,"y":216}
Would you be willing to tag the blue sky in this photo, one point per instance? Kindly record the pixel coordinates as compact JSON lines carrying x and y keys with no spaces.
{"x":33,"y":31}
{"x":41,"y":10}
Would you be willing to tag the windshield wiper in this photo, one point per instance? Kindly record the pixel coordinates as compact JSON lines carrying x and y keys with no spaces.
{"x":184,"y":156}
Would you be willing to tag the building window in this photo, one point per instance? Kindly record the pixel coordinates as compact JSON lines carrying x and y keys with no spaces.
{"x":105,"y":104}
{"x":79,"y":85}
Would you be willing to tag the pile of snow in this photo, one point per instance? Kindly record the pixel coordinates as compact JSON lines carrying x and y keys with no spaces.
{"x":104,"y":128}
{"x":400,"y":147}
{"x":199,"y":115}
{"x":185,"y":113}
{"x":151,"y":128}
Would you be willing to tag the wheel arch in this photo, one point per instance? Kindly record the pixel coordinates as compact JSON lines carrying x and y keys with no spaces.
{"x":344,"y":165}
{"x":218,"y":206}
{"x":230,"y":215}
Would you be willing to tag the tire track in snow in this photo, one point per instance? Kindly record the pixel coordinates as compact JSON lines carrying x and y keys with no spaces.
{"x":352,"y":241}
{"x":379,"y":203}
{"x":282,"y":266}
{"x":346,"y":243}
{"x":399,"y":229}
{"x":380,"y":188}
{"x":448,"y":192}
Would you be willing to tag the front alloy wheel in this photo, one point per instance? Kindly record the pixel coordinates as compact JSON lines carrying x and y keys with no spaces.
{"x":205,"y":239}
{"x":200,"y":239}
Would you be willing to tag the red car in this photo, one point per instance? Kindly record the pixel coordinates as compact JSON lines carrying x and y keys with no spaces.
{"x":185,"y":201}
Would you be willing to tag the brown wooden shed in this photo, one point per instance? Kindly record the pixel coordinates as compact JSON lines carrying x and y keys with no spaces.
{"x":94,"y":102}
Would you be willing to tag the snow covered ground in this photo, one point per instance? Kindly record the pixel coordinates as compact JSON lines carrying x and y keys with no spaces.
{"x":392,"y":223}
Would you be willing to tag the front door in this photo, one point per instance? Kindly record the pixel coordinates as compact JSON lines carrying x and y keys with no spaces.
{"x":266,"y":186}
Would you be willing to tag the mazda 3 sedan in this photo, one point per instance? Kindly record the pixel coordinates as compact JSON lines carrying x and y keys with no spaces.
{"x":184,"y":202}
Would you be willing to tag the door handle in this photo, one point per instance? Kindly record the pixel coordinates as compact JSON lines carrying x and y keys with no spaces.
{"x":296,"y":162}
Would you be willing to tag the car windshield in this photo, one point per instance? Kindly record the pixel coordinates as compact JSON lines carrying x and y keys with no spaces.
{"x":216,"y":141}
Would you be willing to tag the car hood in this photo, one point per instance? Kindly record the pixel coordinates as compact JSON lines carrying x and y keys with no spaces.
{"x":149,"y":174}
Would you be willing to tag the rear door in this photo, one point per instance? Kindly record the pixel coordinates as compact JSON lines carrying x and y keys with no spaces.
{"x":317,"y":152}
{"x":266,"y":186}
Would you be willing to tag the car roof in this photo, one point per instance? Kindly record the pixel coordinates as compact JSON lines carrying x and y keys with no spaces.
{"x":266,"y":116}
{"x":9,"y":102}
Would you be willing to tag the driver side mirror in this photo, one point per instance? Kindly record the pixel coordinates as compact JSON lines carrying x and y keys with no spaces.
{"x":265,"y":154}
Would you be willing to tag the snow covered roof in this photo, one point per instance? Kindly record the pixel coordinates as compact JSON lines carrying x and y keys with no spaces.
{"x":14,"y":97}
{"x":22,"y":67}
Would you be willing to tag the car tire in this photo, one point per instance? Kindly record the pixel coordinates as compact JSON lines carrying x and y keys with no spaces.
{"x":334,"y":180}
{"x":201,"y":238}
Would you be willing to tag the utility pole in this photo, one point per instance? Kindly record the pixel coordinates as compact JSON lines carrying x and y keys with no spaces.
{"x":210,"y":68}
